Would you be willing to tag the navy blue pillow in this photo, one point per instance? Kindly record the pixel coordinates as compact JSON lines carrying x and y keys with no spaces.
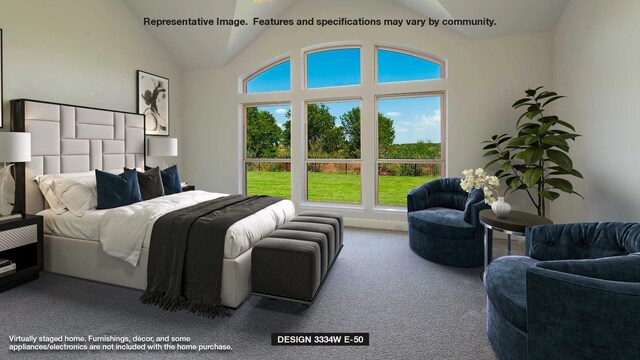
{"x":117,"y":190}
{"x":170,"y":179}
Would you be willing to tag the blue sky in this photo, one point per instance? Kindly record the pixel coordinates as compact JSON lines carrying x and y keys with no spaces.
{"x":278,"y":111}
{"x":277,"y":78}
{"x":414,"y":119}
{"x":395,"y":66}
{"x":333,"y":68}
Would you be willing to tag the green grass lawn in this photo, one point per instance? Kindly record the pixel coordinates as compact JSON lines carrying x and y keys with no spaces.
{"x":342,"y":188}
{"x":392,"y":190}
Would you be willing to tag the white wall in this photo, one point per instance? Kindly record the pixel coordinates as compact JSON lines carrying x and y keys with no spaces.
{"x":485,"y":78}
{"x":595,"y":63}
{"x":82,"y":53}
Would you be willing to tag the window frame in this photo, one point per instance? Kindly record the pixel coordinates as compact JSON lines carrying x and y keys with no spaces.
{"x":443,"y":141}
{"x":414,"y":53}
{"x":245,"y":159}
{"x":308,"y":161}
{"x":305,"y":67}
{"x":367,"y":93}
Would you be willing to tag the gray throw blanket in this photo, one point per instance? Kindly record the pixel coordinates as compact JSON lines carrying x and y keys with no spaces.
{"x":186,"y":252}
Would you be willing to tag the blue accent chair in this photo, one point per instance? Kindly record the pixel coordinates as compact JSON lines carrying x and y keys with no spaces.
{"x":575,"y":296}
{"x":444,"y":224}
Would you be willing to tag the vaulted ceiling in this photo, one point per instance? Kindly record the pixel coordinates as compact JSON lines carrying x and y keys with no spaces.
{"x":204,"y":47}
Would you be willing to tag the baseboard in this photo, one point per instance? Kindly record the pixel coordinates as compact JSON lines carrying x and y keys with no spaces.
{"x":400,"y":226}
{"x":377,"y":224}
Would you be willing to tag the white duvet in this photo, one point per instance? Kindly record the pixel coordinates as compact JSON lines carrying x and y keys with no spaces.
{"x":124,"y":231}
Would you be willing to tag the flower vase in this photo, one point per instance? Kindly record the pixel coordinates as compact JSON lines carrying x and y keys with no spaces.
{"x":500,"y":207}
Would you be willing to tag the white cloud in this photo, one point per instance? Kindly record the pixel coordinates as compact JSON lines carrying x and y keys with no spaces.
{"x":401,"y":130}
{"x":432,"y":119}
{"x":281,"y":111}
{"x":393,"y":114}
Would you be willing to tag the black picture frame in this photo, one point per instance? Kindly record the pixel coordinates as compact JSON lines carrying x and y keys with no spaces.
{"x":1,"y":87}
{"x":153,"y":102}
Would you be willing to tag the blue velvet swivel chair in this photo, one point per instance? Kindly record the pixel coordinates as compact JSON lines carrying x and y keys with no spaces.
{"x":575,"y":296}
{"x":444,"y":224}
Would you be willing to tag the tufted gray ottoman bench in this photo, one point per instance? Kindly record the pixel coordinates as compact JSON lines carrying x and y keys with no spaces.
{"x":316,"y":237}
{"x":330,"y":215}
{"x":321,"y":217}
{"x":325,"y":229}
{"x":286,"y":268}
{"x":294,"y":260}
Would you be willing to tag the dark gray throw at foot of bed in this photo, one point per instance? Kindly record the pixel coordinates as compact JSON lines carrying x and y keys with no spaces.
{"x":186,"y":253}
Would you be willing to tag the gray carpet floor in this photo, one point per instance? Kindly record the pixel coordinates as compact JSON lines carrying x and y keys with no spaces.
{"x":412,"y":308}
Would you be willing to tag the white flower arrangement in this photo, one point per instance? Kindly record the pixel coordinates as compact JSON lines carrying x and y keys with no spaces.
{"x":479,"y":179}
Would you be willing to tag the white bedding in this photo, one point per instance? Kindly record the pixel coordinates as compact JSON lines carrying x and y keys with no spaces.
{"x":86,"y":227}
{"x":123,"y":231}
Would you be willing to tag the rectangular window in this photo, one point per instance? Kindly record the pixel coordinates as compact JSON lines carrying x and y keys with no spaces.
{"x":268,"y":178}
{"x":333,"y":152}
{"x":267,"y":159}
{"x":334,"y":182}
{"x":410,"y":147}
{"x":396,"y":179}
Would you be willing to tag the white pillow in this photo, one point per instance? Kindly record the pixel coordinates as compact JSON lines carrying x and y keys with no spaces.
{"x":78,"y":195}
{"x":45,"y":183}
{"x":79,"y":198}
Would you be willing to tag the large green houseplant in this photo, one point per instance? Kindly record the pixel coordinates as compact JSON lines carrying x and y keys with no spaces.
{"x":537,"y":159}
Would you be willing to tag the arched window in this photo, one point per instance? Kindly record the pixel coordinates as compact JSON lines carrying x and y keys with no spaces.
{"x":275,"y":77}
{"x":357,"y":142}
{"x":399,"y":65}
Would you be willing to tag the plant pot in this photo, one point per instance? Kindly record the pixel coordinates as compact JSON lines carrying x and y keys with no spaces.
{"x":500,"y":207}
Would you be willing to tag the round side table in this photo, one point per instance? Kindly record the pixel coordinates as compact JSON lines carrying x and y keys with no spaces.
{"x":513,"y":224}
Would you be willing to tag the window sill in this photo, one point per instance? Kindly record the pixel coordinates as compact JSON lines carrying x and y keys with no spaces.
{"x":332,"y":206}
{"x":390,"y":209}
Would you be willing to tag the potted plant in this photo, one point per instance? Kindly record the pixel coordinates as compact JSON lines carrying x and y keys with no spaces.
{"x":537,"y":159}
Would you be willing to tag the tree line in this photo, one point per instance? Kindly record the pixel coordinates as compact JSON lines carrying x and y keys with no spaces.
{"x":325,"y":138}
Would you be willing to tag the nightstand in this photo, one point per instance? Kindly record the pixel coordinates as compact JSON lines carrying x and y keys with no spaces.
{"x":188,"y":188}
{"x":21,"y":241}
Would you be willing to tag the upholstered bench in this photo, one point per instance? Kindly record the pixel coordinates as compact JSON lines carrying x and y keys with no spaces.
{"x":317,"y":217}
{"x":325,"y":229}
{"x":294,"y":260}
{"x":329,"y":215}
{"x":286,"y":268}
{"x":318,"y":238}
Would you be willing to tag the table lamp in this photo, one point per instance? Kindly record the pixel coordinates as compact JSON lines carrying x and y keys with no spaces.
{"x":14,"y":147}
{"x":162,"y":147}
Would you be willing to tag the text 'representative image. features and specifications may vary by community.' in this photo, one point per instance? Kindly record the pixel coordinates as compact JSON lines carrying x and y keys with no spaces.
{"x":320,"y":22}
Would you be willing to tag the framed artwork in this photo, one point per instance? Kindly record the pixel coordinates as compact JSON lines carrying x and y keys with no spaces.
{"x":153,"y":102}
{"x":1,"y":103}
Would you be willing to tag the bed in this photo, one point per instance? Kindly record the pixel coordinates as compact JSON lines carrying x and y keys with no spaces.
{"x":72,"y":139}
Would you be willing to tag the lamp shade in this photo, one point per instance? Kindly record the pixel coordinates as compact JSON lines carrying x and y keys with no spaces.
{"x":15,"y":147}
{"x":162,"y":146}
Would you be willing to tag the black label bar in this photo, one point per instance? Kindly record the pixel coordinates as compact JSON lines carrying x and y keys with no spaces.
{"x":334,"y":339}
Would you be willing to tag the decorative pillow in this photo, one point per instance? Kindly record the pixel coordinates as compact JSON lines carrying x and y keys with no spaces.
{"x":150,"y":183}
{"x":117,"y":190}
{"x":170,"y":179}
{"x":78,"y":195}
{"x":474,"y":197}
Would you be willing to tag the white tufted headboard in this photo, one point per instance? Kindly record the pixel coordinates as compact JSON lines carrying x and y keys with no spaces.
{"x":68,"y":138}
